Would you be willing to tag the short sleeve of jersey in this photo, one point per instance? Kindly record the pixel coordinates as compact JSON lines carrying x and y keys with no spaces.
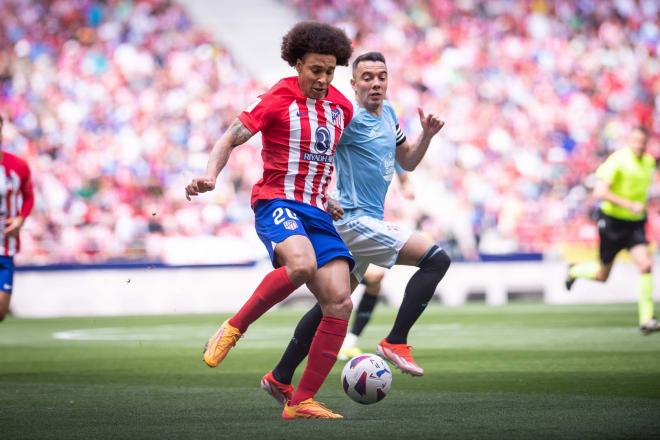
{"x":608,"y":169}
{"x":400,"y":137}
{"x":259,"y":114}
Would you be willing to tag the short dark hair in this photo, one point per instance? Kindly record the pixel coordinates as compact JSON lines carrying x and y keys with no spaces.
{"x":315,"y":37}
{"x":369,"y":56}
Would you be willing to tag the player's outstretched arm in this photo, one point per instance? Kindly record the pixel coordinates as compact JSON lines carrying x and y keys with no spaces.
{"x":236,"y":135}
{"x":409,"y":156}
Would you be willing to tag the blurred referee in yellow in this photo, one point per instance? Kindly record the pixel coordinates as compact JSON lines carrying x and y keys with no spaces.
{"x":624,"y":180}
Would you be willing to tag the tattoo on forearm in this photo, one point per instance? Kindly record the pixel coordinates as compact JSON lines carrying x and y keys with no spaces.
{"x":239,"y":134}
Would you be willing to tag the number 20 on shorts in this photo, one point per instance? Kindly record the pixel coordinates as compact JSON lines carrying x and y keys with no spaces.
{"x":281,"y":214}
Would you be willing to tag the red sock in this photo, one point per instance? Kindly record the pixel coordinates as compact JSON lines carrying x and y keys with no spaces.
{"x":274,"y":288}
{"x":322,"y":356}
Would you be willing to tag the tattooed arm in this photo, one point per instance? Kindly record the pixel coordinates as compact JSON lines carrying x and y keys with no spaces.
{"x":236,"y":135}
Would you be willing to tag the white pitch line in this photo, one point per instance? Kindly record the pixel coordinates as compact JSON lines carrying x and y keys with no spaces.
{"x":192,"y":333}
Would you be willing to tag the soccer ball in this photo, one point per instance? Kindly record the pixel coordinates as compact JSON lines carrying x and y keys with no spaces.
{"x":366,"y":379}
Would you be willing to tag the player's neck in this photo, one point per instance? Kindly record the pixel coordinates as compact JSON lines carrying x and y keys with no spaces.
{"x":376,"y":111}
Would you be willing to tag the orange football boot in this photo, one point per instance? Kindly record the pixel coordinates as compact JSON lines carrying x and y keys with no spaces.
{"x":401,"y":356}
{"x":221,"y":342}
{"x":308,"y":409}
{"x":277,"y":390}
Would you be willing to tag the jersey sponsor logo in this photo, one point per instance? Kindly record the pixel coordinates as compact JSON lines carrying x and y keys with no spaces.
{"x":387,"y":167}
{"x":322,"y":139}
{"x":291,"y":225}
{"x":312,"y":157}
{"x":6,"y":286}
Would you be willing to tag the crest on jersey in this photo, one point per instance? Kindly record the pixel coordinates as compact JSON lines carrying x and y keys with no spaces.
{"x":322,"y":140}
{"x":291,"y":225}
{"x":335,"y":114}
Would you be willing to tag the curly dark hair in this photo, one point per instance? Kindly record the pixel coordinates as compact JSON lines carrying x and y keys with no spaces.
{"x":315,"y":37}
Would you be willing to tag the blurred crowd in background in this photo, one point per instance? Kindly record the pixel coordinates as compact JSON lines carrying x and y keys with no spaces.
{"x":115,"y":105}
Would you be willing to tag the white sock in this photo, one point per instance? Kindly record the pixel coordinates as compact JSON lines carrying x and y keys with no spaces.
{"x":350,"y":341}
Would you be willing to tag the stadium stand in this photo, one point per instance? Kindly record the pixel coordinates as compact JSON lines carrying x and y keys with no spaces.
{"x":535,"y":94}
{"x":114,"y":104}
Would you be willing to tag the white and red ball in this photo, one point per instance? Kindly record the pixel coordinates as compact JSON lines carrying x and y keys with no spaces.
{"x":366,"y":379}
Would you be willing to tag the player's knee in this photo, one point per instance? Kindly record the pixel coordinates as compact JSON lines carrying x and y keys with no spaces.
{"x":344,"y":307}
{"x":436,"y":260}
{"x":374,"y":278}
{"x":301,"y":270}
{"x":340,"y":307}
{"x":373,"y":285}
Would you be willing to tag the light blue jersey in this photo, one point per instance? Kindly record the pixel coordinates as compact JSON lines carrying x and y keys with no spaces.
{"x":366,"y":160}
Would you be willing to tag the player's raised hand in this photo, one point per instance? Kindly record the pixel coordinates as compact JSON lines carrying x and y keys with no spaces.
{"x":431,"y":124}
{"x":199,"y":185}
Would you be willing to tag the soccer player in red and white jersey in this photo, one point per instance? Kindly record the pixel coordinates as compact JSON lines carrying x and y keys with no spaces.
{"x":301,"y":119}
{"x":16,"y":202}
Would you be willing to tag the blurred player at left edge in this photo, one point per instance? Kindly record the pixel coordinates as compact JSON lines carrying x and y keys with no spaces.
{"x":16,"y":202}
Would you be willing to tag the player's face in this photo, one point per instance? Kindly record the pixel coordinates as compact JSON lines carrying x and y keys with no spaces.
{"x":638,"y":141}
{"x":315,"y":73}
{"x":370,"y":84}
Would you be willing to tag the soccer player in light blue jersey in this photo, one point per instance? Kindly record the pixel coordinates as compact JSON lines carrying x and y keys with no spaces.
{"x":365,"y":160}
{"x":372,"y":281}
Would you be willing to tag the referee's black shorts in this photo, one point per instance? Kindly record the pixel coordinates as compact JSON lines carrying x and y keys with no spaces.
{"x":616,"y":234}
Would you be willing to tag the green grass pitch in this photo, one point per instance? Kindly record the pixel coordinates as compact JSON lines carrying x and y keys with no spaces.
{"x":519,"y":371}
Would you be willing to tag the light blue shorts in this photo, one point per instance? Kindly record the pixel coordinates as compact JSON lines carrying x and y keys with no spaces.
{"x":372,"y":241}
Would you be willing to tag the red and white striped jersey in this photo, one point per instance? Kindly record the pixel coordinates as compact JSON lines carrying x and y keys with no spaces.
{"x":16,"y":198}
{"x":299,"y":137}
